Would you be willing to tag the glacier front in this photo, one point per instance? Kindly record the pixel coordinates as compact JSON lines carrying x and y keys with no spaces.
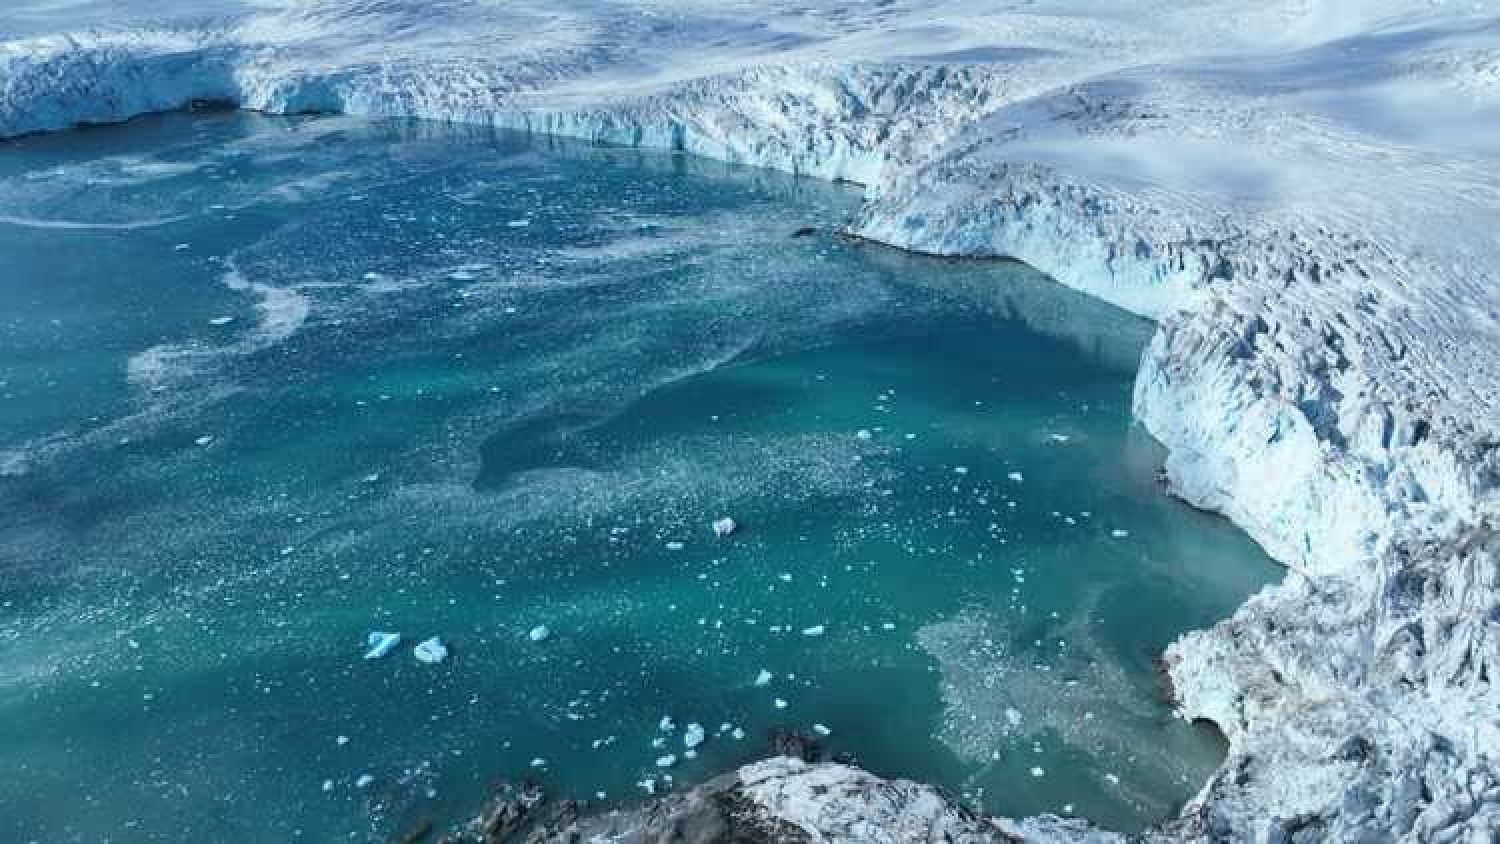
{"x":1302,"y":194}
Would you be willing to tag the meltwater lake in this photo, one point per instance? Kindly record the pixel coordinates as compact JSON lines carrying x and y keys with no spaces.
{"x":268,"y":385}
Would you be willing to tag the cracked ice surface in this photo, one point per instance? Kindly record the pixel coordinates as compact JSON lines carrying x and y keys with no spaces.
{"x":1302,"y":193}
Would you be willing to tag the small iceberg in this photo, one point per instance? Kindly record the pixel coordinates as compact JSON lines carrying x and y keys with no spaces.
{"x":694,"y":736}
{"x":724,"y":527}
{"x":539,"y":633}
{"x":430,"y":651}
{"x":381,"y":644}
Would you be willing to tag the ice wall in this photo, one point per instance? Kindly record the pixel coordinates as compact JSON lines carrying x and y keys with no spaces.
{"x":1301,"y":193}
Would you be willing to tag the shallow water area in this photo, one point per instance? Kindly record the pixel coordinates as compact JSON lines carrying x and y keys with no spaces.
{"x":268,"y":385}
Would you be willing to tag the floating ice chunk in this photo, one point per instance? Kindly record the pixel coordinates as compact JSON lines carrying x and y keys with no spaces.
{"x":960,"y":470}
{"x":648,"y":784}
{"x":539,"y":633}
{"x":674,"y":545}
{"x":1013,"y":716}
{"x":518,"y":224}
{"x":887,"y":626}
{"x":221,"y":320}
{"x":763,"y":678}
{"x":779,"y":703}
{"x":737,"y":734}
{"x":1117,"y":533}
{"x":863,"y":434}
{"x":327,"y":785}
{"x":822,"y":730}
{"x":667,"y":725}
{"x":381,"y":644}
{"x":539,"y":762}
{"x":666,"y":761}
{"x":204,"y":440}
{"x":1038,"y":772}
{"x":690,"y":754}
{"x":693,"y":736}
{"x":1112,"y":779}
{"x":364,"y":781}
{"x":724,"y":527}
{"x":815,"y":630}
{"x":1016,"y":476}
{"x":430,"y":651}
{"x":1060,"y":438}
{"x":341,"y":741}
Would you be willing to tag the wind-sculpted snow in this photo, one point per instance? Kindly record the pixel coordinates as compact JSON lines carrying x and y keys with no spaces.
{"x":1304,"y":195}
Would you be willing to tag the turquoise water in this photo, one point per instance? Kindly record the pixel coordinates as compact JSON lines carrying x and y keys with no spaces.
{"x":267,"y":385}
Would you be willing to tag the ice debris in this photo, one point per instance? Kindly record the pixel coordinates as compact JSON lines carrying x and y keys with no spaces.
{"x":693,"y":736}
{"x":430,"y":651}
{"x":539,"y":633}
{"x":380,"y":644}
{"x":724,"y":527}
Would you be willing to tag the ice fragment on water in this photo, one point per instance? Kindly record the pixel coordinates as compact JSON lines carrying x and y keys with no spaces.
{"x":693,"y":736}
{"x":724,"y":527}
{"x":430,"y":651}
{"x":763,"y":678}
{"x":538,"y":633}
{"x":815,"y":630}
{"x":380,"y":644}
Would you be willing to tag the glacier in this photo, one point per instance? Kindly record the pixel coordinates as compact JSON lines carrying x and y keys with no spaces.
{"x":1303,"y":194}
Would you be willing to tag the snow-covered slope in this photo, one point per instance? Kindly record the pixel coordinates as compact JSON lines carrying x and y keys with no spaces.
{"x":1305,"y":195}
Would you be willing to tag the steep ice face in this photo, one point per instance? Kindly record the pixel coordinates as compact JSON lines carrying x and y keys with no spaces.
{"x":1302,"y":194}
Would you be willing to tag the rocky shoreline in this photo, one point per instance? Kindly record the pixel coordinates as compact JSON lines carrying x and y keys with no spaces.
{"x":789,"y":798}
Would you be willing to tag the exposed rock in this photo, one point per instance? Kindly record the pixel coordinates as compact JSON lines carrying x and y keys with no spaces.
{"x":787,"y":801}
{"x":790,"y":743}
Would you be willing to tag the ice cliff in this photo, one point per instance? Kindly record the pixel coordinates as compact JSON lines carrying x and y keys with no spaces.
{"x":1303,"y":194}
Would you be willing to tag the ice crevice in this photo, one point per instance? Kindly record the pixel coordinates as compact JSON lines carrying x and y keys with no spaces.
{"x":1322,"y":273}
